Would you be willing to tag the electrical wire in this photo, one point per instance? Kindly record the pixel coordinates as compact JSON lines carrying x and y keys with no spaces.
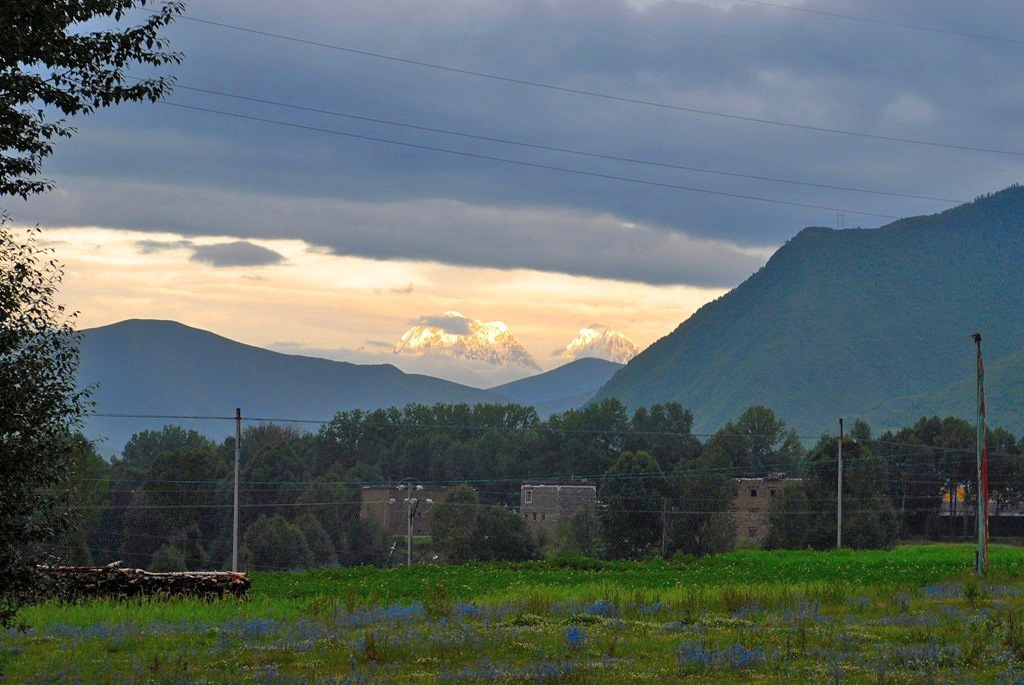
{"x":884,"y":22}
{"x":532,"y":165}
{"x":600,"y":95}
{"x":552,"y":148}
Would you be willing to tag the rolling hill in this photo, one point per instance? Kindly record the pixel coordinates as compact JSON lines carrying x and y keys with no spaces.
{"x":842,"y":322}
{"x":167,"y":368}
{"x":567,"y":387}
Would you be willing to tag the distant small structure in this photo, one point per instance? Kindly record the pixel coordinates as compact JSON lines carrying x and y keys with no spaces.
{"x":750,"y":507}
{"x":385,"y":505}
{"x":544,"y":505}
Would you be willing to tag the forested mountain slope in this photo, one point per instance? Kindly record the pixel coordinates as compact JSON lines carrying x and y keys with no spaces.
{"x":839,"y":322}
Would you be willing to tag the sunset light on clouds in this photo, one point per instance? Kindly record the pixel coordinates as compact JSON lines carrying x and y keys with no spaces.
{"x":345,"y":308}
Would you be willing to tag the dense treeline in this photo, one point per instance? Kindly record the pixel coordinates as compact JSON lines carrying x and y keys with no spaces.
{"x":165,"y":503}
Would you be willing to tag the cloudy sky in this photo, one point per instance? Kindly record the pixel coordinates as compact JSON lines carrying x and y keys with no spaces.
{"x":603,"y":172}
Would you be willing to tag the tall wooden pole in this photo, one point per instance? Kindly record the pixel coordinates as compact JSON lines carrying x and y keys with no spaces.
{"x":839,"y":491}
{"x":982,"y":556}
{"x":238,"y":459}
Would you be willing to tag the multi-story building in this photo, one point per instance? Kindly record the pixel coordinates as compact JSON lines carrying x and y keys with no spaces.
{"x":544,"y":505}
{"x":750,"y":508}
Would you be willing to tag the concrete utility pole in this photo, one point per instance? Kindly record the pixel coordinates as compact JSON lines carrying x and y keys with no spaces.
{"x":664,"y":527}
{"x":238,"y":460}
{"x":839,"y":491}
{"x":410,"y":484}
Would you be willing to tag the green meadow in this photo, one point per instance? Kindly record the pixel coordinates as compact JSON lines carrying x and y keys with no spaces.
{"x":915,"y":614}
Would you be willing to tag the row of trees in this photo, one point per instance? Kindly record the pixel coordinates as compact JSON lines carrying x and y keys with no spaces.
{"x":662,"y":490}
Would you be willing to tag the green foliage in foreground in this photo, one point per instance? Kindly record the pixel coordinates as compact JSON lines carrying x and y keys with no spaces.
{"x":911,"y":615}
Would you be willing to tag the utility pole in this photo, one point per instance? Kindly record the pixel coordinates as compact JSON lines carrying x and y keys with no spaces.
{"x":664,"y":527}
{"x":981,"y":560}
{"x":839,"y":491}
{"x":411,"y":503}
{"x":238,"y":459}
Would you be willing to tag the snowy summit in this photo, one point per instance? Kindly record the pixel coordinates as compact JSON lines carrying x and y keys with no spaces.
{"x":458,"y":337}
{"x":603,"y":344}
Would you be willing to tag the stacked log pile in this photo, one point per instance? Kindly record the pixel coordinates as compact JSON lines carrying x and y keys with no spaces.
{"x":114,"y":580}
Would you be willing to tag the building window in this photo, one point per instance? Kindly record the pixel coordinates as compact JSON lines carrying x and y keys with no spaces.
{"x":771,"y":492}
{"x":529,"y":496}
{"x":542,"y":517}
{"x":534,"y":516}
{"x":752,"y":532}
{"x":753,"y":492}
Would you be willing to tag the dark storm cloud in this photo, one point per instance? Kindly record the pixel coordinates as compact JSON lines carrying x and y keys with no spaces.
{"x":740,"y":58}
{"x":551,"y":240}
{"x":239,"y":253}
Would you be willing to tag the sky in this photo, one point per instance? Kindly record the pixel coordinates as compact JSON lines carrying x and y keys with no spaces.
{"x":313,"y":235}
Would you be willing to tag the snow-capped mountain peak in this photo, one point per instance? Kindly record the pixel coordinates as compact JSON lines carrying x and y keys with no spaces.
{"x":459,"y":337}
{"x":602,"y":343}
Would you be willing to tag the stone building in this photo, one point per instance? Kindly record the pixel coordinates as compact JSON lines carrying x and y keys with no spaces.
{"x":386,"y":506}
{"x":750,"y":508}
{"x":544,"y":505}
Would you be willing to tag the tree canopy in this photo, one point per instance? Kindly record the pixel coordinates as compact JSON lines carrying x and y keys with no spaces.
{"x":50,"y":69}
{"x":40,"y":409}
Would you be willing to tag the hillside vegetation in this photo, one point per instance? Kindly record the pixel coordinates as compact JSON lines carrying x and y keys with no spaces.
{"x":840,"y":322}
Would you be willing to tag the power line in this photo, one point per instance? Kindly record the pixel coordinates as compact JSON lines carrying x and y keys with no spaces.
{"x":604,"y":96}
{"x":504,"y":160}
{"x":163,"y":416}
{"x":918,"y":449}
{"x":552,"y":148}
{"x":884,"y":22}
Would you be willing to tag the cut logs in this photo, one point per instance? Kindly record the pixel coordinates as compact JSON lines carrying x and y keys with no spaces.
{"x":114,"y":580}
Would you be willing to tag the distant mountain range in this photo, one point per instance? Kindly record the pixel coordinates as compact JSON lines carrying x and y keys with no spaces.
{"x":872,"y":323}
{"x":147,"y":367}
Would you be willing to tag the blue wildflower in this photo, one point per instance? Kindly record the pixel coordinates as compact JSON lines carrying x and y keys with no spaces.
{"x":575,"y":637}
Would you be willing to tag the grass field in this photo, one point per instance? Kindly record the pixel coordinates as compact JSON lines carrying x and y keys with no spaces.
{"x":915,"y":614}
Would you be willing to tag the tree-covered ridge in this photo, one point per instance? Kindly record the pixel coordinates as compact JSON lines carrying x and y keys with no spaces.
{"x":839,"y":322}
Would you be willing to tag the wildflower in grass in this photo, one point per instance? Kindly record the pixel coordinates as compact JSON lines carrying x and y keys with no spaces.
{"x":602,"y":607}
{"x":693,"y":654}
{"x":467,"y":609}
{"x":651,"y":609}
{"x":805,"y":612}
{"x":268,"y":674}
{"x":684,"y":626}
{"x":737,"y":656}
{"x":942,"y":591}
{"x":748,"y":610}
{"x":861,"y":602}
{"x":575,"y":637}
{"x":401,"y":612}
{"x":546,"y":671}
{"x":993,"y":590}
{"x":909,"y":621}
{"x":1011,"y":676}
